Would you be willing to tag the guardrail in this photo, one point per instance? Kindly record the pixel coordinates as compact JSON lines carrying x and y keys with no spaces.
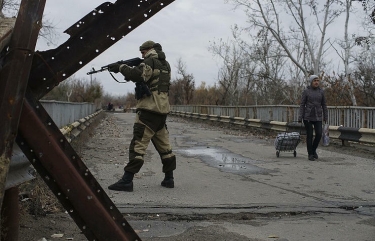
{"x":72,"y":130}
{"x":345,"y":134}
{"x":347,"y":116}
{"x":20,"y":169}
{"x":63,"y":113}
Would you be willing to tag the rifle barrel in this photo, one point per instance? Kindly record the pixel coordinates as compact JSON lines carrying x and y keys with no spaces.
{"x":96,"y":71}
{"x":131,"y":62}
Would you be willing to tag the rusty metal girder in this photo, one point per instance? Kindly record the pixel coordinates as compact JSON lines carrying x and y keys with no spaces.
{"x":41,"y":140}
{"x":68,"y":177}
{"x":89,"y":37}
{"x":10,"y":221}
{"x":14,"y":78}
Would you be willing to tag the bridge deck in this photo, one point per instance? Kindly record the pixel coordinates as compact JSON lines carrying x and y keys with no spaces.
{"x":232,"y":179}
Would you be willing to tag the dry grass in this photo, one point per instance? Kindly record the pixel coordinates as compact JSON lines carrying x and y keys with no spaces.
{"x":35,"y":196}
{"x":37,"y":199}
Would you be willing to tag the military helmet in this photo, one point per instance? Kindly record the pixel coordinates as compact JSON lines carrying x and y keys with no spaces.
{"x":147,"y":45}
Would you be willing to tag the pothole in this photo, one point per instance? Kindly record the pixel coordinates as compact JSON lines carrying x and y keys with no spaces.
{"x":225,"y":160}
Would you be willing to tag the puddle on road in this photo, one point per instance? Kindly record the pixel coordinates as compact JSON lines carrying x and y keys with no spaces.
{"x":225,"y":160}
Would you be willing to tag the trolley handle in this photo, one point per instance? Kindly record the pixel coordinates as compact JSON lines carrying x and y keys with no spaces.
{"x":297,"y":126}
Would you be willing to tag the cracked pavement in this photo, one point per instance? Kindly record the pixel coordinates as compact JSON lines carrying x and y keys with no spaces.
{"x":231,"y":180}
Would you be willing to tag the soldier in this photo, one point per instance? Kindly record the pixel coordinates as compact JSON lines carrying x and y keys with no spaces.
{"x":152,"y":78}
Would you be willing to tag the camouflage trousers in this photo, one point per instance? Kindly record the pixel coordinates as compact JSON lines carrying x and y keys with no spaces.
{"x":149,"y":126}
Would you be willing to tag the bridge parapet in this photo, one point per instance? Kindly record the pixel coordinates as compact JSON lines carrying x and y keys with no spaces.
{"x":345,"y":134}
{"x":346,"y":116}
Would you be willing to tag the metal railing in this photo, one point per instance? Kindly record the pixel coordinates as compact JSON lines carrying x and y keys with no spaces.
{"x":345,"y":134}
{"x":71,"y":117}
{"x":64,"y":113}
{"x":346,"y":116}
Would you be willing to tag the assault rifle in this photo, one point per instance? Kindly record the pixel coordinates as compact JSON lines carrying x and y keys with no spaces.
{"x":141,"y":88}
{"x":130,"y":62}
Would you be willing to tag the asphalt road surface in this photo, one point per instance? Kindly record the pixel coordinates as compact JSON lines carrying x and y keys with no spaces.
{"x":229,"y":185}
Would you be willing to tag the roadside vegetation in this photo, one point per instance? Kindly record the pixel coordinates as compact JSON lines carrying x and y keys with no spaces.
{"x":36,"y":199}
{"x":266,"y":62}
{"x":268,"y":59}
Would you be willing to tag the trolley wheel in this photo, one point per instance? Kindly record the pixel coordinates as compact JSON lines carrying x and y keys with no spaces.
{"x":295,"y":153}
{"x":277,"y":153}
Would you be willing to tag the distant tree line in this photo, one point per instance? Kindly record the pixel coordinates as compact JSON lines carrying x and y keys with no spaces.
{"x":77,"y":90}
{"x":267,"y":61}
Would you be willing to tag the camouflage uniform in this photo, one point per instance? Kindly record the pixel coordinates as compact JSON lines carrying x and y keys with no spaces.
{"x":152,"y":110}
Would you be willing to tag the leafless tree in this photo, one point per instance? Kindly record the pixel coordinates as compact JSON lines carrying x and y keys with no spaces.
{"x":369,"y":7}
{"x":1,"y":8}
{"x":229,"y":74}
{"x":272,"y":16}
{"x":76,"y":90}
{"x":346,"y":54}
{"x":252,"y":72}
{"x":365,"y":75}
{"x":10,"y":8}
{"x":182,"y":87}
{"x":270,"y":72}
{"x":48,"y":31}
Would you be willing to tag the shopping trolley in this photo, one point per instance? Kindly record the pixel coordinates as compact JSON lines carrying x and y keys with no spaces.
{"x":288,"y":142}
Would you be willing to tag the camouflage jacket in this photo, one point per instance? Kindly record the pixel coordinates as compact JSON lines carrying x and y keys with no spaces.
{"x":155,"y":71}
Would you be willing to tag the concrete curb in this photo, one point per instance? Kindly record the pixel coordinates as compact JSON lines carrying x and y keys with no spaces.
{"x":74,"y":129}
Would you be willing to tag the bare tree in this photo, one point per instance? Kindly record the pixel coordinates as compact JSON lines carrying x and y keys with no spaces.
{"x":187,"y":81}
{"x":229,"y":74}
{"x":77,"y":90}
{"x":254,"y":71}
{"x":346,"y":55}
{"x":270,"y":72}
{"x":10,"y":8}
{"x":48,"y":31}
{"x":369,"y":7}
{"x":364,"y":73}
{"x":312,"y":41}
{"x":366,"y":78}
{"x":1,"y":8}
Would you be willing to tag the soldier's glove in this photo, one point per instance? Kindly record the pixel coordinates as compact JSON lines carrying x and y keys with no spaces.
{"x":115,"y":67}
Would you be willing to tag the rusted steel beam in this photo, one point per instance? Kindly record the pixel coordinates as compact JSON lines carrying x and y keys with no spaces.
{"x":44,"y":144}
{"x":10,"y":211}
{"x":89,"y":37}
{"x":68,"y":177}
{"x":14,"y":78}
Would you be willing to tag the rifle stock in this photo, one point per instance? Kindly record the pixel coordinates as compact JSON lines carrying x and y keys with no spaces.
{"x":130,"y":62}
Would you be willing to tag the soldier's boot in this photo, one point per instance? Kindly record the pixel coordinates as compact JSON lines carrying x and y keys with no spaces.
{"x":168,"y":180}
{"x":125,"y":184}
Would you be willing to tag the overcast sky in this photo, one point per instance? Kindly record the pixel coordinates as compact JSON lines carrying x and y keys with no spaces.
{"x":184,"y":29}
